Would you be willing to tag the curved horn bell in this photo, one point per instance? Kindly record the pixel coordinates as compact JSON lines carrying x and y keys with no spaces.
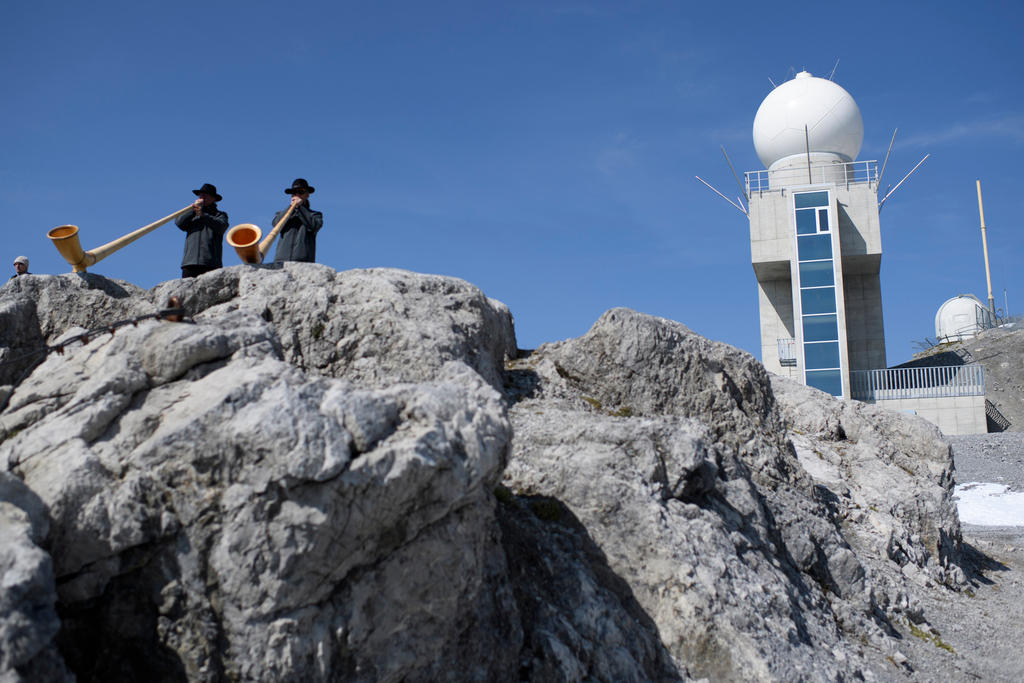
{"x":65,"y":238}
{"x":245,"y":238}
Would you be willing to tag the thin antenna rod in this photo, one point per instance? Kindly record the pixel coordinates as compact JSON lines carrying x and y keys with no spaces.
{"x":984,"y":246}
{"x":772,"y":82}
{"x":901,"y":182}
{"x":742,"y":210}
{"x":834,"y":69}
{"x":807,"y":141}
{"x":879,"y":184}
{"x":743,"y":190}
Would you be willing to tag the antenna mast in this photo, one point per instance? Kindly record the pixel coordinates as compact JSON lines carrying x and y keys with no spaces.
{"x":984,"y":246}
{"x":882,"y":172}
{"x":807,"y":142}
{"x":743,"y":190}
{"x":834,"y":69}
{"x":902,"y":181}
{"x":742,"y":210}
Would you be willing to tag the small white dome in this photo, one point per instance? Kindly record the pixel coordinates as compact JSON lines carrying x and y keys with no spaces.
{"x":833,"y":120}
{"x":961,"y":317}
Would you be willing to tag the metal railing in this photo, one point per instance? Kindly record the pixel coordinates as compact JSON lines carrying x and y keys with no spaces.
{"x":936,"y":382}
{"x":850,"y":173}
{"x":787,"y":352}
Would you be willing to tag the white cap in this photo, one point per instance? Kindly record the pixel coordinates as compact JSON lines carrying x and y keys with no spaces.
{"x":22,"y":259}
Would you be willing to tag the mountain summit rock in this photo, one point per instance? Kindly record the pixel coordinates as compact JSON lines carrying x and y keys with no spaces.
{"x":356,"y":475}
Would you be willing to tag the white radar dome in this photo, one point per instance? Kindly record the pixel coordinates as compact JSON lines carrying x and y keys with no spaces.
{"x":832,"y":118}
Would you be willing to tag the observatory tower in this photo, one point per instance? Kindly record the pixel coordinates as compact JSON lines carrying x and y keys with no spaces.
{"x":814,"y":236}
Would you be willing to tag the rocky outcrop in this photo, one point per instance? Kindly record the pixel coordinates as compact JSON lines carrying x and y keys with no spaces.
{"x":891,"y":475}
{"x":28,"y":616}
{"x":375,"y":327}
{"x":301,"y":482}
{"x":672,"y":452}
{"x":216,"y":512}
{"x":35,"y":311}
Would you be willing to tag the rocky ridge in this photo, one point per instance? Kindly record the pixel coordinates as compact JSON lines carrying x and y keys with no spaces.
{"x":355,"y":476}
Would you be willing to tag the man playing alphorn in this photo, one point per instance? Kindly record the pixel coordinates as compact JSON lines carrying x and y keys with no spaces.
{"x":298,"y":236}
{"x":204,"y":226}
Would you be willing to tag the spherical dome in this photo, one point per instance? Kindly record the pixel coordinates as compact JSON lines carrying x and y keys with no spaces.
{"x":961,"y":317}
{"x":832,"y":118}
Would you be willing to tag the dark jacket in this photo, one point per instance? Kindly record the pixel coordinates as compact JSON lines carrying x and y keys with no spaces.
{"x":204,"y":244}
{"x":297,"y":240}
{"x":19,"y":275}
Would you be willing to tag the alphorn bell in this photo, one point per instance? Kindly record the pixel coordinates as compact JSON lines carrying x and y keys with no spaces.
{"x":245,"y":238}
{"x":65,"y":238}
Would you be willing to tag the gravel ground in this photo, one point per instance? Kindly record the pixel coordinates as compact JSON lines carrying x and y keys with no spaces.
{"x":996,"y":458}
{"x":984,"y":627}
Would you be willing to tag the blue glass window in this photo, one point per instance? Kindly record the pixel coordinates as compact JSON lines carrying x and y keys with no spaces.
{"x":821,"y":355}
{"x":807,"y":200}
{"x":822,"y":220}
{"x":827,"y":380}
{"x":821,"y":300}
{"x":816,"y":274}
{"x":814,"y":247}
{"x":805,"y":224}
{"x":820,"y":328}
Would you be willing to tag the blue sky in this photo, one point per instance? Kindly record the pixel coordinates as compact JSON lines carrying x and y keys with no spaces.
{"x":544,"y":151}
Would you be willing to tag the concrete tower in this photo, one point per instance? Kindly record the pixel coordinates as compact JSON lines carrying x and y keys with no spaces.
{"x":814,"y":236}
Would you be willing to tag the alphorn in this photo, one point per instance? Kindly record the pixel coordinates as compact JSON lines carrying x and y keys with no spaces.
{"x":65,"y":238}
{"x":245,"y":238}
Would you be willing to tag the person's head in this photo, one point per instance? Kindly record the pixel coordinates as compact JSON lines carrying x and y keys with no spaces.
{"x":208,"y":193}
{"x":21,"y":265}
{"x":300,"y":188}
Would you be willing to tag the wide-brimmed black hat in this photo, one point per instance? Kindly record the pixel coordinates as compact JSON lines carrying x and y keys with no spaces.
{"x":300,"y":185}
{"x":209,"y":189}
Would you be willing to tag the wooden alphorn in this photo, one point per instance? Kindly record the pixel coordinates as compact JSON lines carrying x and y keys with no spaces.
{"x":65,"y":238}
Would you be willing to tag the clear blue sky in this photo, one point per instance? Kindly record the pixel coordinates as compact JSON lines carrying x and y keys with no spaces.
{"x":544,"y":151}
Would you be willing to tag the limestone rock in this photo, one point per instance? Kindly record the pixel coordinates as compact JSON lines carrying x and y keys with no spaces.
{"x":891,"y":475}
{"x":673,"y":454}
{"x":35,"y":310}
{"x":217,"y":513}
{"x":28,"y":618}
{"x":300,"y":485}
{"x":374,"y":326}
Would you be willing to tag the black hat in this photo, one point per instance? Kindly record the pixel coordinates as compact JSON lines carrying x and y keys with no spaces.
{"x":207,"y":188}
{"x":300,"y":185}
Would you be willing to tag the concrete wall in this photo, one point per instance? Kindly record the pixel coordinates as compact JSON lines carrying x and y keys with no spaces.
{"x":859,"y":230}
{"x":771,"y":233}
{"x":865,"y":334}
{"x":954,"y":415}
{"x":775,"y":302}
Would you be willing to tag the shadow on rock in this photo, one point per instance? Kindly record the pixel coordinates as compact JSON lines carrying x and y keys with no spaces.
{"x":580,"y":619}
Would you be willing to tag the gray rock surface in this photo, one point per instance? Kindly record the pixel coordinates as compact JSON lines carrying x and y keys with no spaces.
{"x":35,"y":311}
{"x":216,"y":512}
{"x":890,"y":475}
{"x":28,"y":597}
{"x":303,"y":484}
{"x":672,"y":452}
{"x":375,"y":326}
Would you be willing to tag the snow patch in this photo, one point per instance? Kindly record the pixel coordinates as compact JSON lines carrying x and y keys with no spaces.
{"x":989,"y":504}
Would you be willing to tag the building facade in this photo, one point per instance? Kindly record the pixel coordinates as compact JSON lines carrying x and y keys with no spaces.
{"x":815,"y":240}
